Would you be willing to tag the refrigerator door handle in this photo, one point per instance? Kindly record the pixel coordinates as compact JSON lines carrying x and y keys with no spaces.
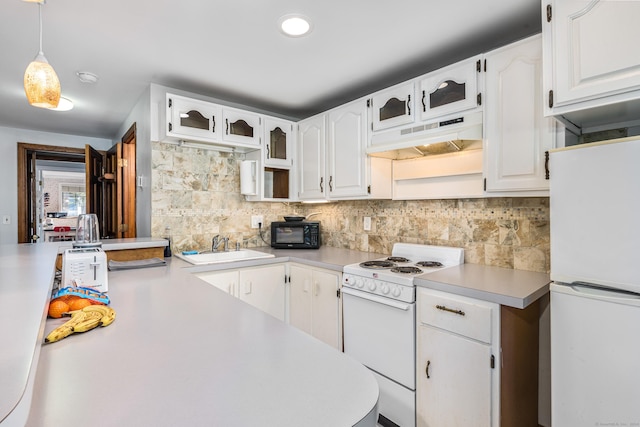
{"x":595,"y":291}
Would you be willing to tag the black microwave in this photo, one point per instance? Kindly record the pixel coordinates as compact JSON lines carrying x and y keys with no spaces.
{"x":295,"y":235}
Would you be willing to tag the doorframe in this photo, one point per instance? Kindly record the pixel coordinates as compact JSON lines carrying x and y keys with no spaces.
{"x":43,"y":152}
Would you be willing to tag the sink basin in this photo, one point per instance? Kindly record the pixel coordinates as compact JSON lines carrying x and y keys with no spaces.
{"x":217,"y":257}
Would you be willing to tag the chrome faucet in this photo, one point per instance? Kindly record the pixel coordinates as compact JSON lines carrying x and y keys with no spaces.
{"x":216,"y":242}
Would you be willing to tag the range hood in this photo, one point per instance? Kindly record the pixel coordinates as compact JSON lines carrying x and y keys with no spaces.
{"x":456,"y":134}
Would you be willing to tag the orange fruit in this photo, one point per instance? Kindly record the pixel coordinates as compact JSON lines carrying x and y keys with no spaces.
{"x":79,"y":304}
{"x":57,"y":308}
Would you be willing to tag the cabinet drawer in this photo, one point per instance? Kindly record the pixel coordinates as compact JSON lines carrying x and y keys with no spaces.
{"x":460,"y":315}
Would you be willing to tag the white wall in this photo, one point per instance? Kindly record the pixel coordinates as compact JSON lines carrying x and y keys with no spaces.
{"x":9,"y":138}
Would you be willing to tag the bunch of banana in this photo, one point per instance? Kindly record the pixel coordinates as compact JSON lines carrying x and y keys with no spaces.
{"x":83,"y":320}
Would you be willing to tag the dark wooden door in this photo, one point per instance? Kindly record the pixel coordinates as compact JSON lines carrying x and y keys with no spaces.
{"x":94,"y":168}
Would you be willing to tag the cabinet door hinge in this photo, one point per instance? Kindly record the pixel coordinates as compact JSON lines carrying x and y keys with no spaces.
{"x":485,"y":65}
{"x":368,"y":103}
{"x":123,"y":163}
{"x":170,"y":127}
{"x":123,"y":228}
{"x":368,"y":189}
{"x":551,"y":99}
{"x":478,"y":66}
{"x":170,"y":103}
{"x":338,"y":293}
{"x":479,"y":99}
{"x":493,"y":361}
{"x":549,"y":13}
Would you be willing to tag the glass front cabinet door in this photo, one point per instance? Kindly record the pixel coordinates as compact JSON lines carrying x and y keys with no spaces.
{"x":278,"y":147}
{"x":241,"y":127}
{"x":392,"y":107}
{"x":192,"y":119}
{"x":450,"y":90}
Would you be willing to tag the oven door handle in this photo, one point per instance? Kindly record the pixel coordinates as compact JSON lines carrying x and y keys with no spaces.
{"x":380,"y":300}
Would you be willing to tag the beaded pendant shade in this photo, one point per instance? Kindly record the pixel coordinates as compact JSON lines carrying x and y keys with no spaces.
{"x":41,"y":84}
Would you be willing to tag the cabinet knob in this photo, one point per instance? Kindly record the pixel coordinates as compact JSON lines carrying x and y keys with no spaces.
{"x":426,"y":370}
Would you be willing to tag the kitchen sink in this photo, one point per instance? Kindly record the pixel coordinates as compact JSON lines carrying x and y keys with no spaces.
{"x":218,"y":257}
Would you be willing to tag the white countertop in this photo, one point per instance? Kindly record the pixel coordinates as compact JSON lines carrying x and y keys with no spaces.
{"x":181,"y":352}
{"x":513,"y":288}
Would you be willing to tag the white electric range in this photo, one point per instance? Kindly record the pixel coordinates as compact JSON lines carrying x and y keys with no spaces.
{"x":379,"y":321}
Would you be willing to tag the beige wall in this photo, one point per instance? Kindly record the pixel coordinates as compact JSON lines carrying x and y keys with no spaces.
{"x":197,"y":194}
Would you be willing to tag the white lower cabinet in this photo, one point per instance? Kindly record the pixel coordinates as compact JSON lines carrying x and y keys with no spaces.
{"x":457,"y":376}
{"x":476,"y":362}
{"x":314,"y":303}
{"x":262,"y":287}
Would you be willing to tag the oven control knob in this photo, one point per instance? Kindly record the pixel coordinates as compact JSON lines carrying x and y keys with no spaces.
{"x":396,"y":292}
{"x":359,"y":283}
{"x":372,"y":285}
{"x":385,"y":289}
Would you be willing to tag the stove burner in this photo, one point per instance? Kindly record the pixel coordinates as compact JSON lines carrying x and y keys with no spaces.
{"x":429,"y":264}
{"x":406,"y":270}
{"x":377,"y":264}
{"x":398,"y":259}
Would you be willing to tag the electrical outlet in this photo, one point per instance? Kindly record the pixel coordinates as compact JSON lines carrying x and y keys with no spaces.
{"x":367,"y":223}
{"x":6,"y":219}
{"x":255,"y":220}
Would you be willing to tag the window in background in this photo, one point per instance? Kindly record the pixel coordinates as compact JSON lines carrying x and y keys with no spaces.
{"x":73,"y":199}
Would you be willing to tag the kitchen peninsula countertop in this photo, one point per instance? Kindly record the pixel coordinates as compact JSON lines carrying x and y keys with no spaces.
{"x":181,"y":352}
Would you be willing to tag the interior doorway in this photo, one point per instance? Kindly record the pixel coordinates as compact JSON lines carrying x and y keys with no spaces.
{"x":109,"y":191}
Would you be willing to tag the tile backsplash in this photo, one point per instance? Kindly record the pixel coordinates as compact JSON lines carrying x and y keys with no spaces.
{"x":196,"y":193}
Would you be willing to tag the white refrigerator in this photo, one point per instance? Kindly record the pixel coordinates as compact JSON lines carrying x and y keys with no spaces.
{"x":595,"y":290}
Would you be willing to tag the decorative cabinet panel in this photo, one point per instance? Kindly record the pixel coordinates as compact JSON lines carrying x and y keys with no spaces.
{"x":241,"y":126}
{"x":517,"y":136}
{"x":315,"y":303}
{"x":311,"y":152}
{"x":347,"y":140}
{"x":451,"y":89}
{"x":392,"y":107}
{"x":192,"y":119}
{"x":591,"y":46}
{"x":278,"y":142}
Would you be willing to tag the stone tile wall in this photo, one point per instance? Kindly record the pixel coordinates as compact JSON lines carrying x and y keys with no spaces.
{"x":196,"y":193}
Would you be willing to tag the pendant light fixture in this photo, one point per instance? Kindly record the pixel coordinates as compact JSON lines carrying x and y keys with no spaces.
{"x":41,"y":83}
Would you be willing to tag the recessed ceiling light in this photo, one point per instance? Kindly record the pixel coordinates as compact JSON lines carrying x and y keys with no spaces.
{"x":87,"y":77}
{"x":65,"y":104}
{"x":295,"y":25}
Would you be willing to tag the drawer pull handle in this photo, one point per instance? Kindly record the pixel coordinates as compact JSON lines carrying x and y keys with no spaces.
{"x":450,"y":310}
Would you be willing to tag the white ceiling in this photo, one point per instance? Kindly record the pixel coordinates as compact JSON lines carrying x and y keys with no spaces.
{"x":233,"y":50}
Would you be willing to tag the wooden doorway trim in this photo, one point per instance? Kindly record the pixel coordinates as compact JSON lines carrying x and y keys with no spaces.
{"x":26,"y":175}
{"x":127,"y":183}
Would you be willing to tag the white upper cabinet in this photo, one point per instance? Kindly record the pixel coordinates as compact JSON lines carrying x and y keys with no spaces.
{"x":393,"y":107}
{"x":278,"y":142}
{"x":241,"y":127}
{"x":517,"y":136}
{"x":347,"y":141}
{"x":591,"y":53}
{"x":189,"y":118}
{"x":311,"y":149}
{"x":219,"y":127}
{"x":450,"y":89}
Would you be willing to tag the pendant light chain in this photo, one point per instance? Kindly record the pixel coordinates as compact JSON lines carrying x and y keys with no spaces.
{"x":40,"y":19}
